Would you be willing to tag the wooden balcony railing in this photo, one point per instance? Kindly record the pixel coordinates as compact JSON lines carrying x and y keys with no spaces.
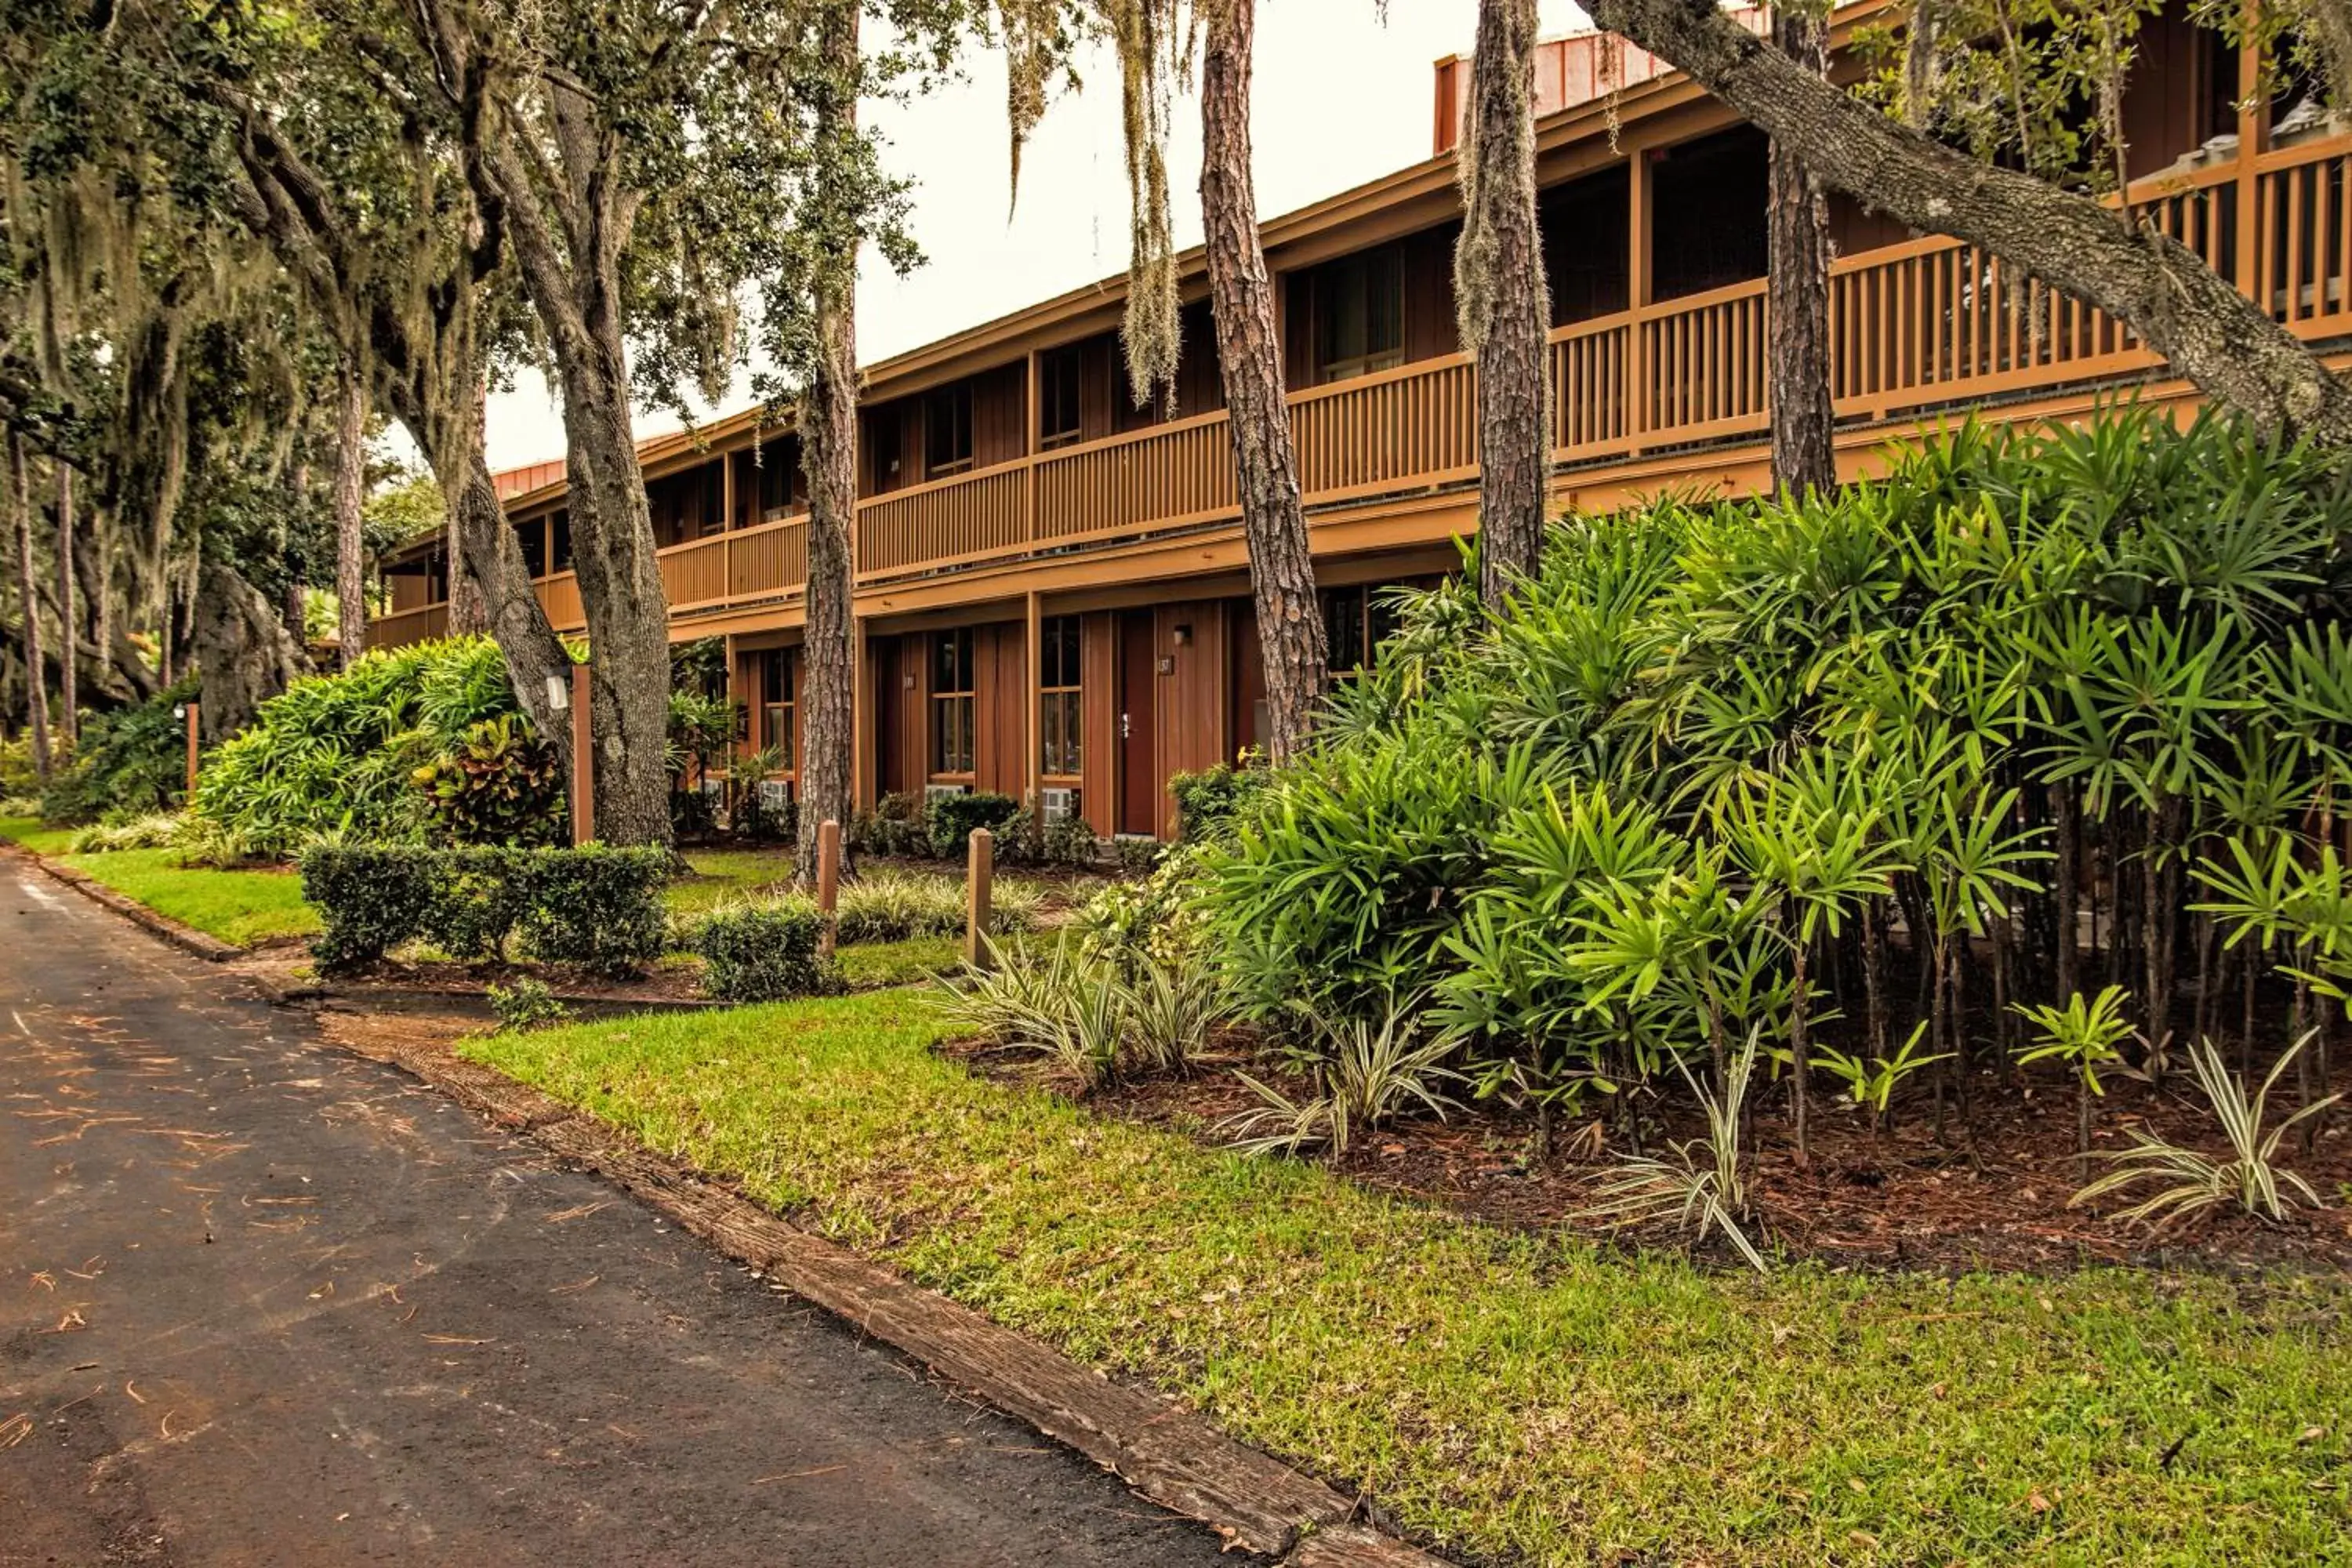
{"x":1925,"y":324}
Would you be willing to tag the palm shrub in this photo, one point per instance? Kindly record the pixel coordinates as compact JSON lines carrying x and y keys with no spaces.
{"x":1996,"y":715}
{"x":131,"y":761}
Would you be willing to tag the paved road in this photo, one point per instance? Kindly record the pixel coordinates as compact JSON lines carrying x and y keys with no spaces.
{"x":261,"y":1303}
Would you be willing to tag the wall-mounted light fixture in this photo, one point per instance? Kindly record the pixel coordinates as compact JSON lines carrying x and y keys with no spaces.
{"x":559,"y":694}
{"x":1184,"y":636}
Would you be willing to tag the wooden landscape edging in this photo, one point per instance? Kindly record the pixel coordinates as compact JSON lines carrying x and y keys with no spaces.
{"x":1170,"y":1454}
{"x":211,"y":949}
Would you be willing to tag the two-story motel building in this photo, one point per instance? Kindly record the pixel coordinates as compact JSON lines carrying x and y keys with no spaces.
{"x":1051,"y":587}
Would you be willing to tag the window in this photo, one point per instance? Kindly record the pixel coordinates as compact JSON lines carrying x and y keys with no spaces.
{"x":1058,"y":420}
{"x":781,"y":484}
{"x":885,"y":437}
{"x":562,"y":533}
{"x":951,"y":702}
{"x":947,"y":430}
{"x":1057,"y":693}
{"x":1360,"y":314}
{"x":1343,"y":625}
{"x":776,"y":703}
{"x":531,"y":535}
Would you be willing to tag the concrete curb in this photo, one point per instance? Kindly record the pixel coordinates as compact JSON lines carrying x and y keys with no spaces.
{"x":1170,"y":1454}
{"x":187,"y":939}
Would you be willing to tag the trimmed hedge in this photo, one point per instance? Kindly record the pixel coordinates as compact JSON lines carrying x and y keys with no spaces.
{"x":954,"y":818}
{"x":595,"y":906}
{"x":761,"y":953}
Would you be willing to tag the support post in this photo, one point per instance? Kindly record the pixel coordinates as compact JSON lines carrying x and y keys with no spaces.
{"x":1637,"y":291}
{"x":584,"y":760}
{"x":2254,"y":120}
{"x":1033,"y":775}
{"x":191,"y":751}
{"x":978,"y":874}
{"x":828,"y":882}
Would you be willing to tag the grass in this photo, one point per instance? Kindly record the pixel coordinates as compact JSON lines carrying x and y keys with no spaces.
{"x":868,"y":964}
{"x":1532,"y":1397}
{"x":722,"y":876}
{"x":239,"y":907}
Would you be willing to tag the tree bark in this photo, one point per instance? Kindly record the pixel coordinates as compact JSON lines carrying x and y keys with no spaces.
{"x":1503,"y":299}
{"x":1798,"y":311}
{"x":239,"y":642}
{"x":1249,"y":361}
{"x":351,"y":481}
{"x":2183,"y":309}
{"x":36,"y":678}
{"x":69,"y":622}
{"x":828,"y":429}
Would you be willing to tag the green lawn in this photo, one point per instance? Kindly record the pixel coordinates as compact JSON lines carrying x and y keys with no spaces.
{"x":1531,"y":1397}
{"x":722,"y":876}
{"x":28,"y":832}
{"x":868,"y":964}
{"x":239,"y":907}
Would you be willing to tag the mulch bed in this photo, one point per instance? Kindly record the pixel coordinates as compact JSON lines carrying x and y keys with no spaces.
{"x":1910,"y":1202}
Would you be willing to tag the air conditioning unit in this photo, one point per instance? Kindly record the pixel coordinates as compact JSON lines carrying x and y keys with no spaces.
{"x":775,"y":794}
{"x":716,"y":788}
{"x":933,"y":793}
{"x":1057,"y":804}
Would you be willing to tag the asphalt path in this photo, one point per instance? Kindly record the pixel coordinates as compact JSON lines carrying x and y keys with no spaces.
{"x":263,"y":1302}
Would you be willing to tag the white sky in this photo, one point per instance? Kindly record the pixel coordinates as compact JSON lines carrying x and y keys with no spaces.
{"x":1339,"y":100}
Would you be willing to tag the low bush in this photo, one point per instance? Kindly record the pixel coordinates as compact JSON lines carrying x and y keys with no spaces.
{"x":157,"y":830}
{"x":1208,"y":801}
{"x":598,"y":907}
{"x":891,"y":906}
{"x":525,"y":1005}
{"x":370,"y":898}
{"x":898,"y":824}
{"x":761,"y":953}
{"x":502,"y":782}
{"x":955,"y":817}
{"x":131,"y":760}
{"x":1068,"y":841}
{"x":595,"y":906}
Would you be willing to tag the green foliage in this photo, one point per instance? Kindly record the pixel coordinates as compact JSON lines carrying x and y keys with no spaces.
{"x":158,"y":830}
{"x":595,"y":906}
{"x":1068,"y":841}
{"x":2250,"y":1178}
{"x":1367,"y":1072}
{"x":130,"y":761}
{"x":342,"y":751}
{"x":898,"y":824}
{"x":501,"y":784}
{"x":598,"y":907}
{"x":1208,"y":801}
{"x":1703,"y":1187}
{"x":891,"y":906}
{"x":761,"y":953}
{"x":525,"y":1005}
{"x":1633,"y":815}
{"x":954,"y":817}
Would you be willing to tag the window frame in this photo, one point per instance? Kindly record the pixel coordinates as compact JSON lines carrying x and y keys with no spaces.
{"x":1060,"y":373}
{"x":779,"y":706}
{"x":1061,"y":703}
{"x":955,"y":707}
{"x":1332,"y":365}
{"x":955,"y":399}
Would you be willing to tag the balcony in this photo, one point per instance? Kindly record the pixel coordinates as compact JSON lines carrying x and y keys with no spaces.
{"x":1915,"y":327}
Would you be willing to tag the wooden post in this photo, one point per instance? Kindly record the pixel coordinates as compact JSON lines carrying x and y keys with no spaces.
{"x":1033,"y":776}
{"x":1029,"y":447}
{"x":978,"y":874}
{"x":1637,"y":291}
{"x":2253,"y":122}
{"x":828,"y":881}
{"x":191,"y":751}
{"x":584,"y":760}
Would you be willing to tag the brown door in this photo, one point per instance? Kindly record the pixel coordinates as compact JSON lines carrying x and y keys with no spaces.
{"x":1139,"y":771}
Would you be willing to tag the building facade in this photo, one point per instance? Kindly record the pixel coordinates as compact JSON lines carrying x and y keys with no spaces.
{"x":1051,"y":586}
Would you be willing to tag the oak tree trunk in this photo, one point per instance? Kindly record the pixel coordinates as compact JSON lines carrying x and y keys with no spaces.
{"x":36,"y":678}
{"x":1502,"y":298}
{"x":68,"y":620}
{"x":351,"y":561}
{"x":239,"y":643}
{"x":2224,"y":342}
{"x":1257,"y":417}
{"x":1797,"y":313}
{"x":829,"y":430}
